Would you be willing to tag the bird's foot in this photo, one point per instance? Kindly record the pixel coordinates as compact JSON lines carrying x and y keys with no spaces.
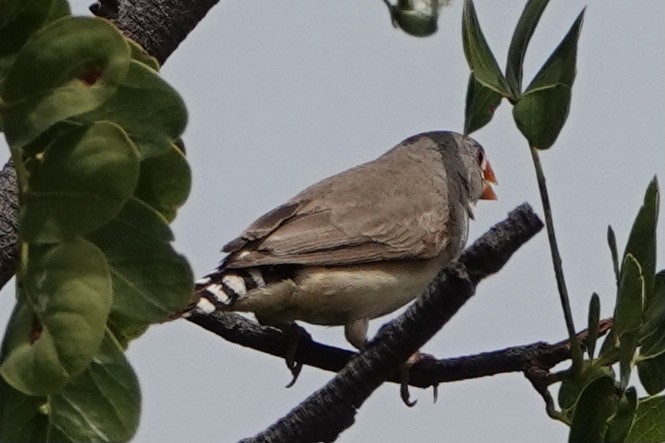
{"x":294,"y":335}
{"x":404,"y":377}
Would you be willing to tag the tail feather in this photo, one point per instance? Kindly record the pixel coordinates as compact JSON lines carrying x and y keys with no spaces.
{"x":220,"y":289}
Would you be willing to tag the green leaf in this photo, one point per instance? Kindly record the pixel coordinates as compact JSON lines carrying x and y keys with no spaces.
{"x":610,"y":344}
{"x":165,"y":182}
{"x":58,"y":324}
{"x":594,"y":318}
{"x":35,"y":149}
{"x":596,"y":404}
{"x":83,"y":180}
{"x":69,"y":67}
{"x":628,"y":314}
{"x":481,"y":102}
{"x":59,"y":9}
{"x":523,"y":32}
{"x":570,"y":389}
{"x":151,"y":112}
{"x":141,"y":55}
{"x":627,"y":347}
{"x":620,"y":424}
{"x":542,"y":110}
{"x":649,"y":426}
{"x":642,"y":240}
{"x":559,"y":69}
{"x":481,"y":61}
{"x":151,"y":282}
{"x":652,"y":373}
{"x":22,"y":417}
{"x":540,"y":114}
{"x":19,"y":19}
{"x":653,"y":331}
{"x":630,"y":297}
{"x":101,"y":404}
{"x":651,"y":361}
{"x":612,"y":242}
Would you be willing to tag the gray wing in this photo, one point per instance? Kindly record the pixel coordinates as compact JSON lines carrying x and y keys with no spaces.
{"x":394,"y":207}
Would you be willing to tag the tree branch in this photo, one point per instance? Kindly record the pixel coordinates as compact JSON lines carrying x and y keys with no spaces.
{"x":426,"y":373}
{"x":157,"y":25}
{"x":8,"y":223}
{"x":330,"y":410}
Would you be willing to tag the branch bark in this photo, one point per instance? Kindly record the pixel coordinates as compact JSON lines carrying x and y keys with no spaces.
{"x":424,"y":374}
{"x":157,"y":25}
{"x":8,"y":223}
{"x":330,"y":410}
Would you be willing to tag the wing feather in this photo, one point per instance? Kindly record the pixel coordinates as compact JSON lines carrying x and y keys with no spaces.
{"x":396,"y":206}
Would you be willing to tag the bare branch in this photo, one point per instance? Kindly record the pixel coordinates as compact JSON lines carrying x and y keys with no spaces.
{"x":424,"y":374}
{"x":157,"y":25}
{"x":8,"y":223}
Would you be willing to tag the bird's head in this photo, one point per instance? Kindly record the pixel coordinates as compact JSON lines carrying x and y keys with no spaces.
{"x":480,"y":175}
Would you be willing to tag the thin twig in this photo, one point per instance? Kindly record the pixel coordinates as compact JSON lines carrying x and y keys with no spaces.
{"x":424,"y":374}
{"x":556,"y":261}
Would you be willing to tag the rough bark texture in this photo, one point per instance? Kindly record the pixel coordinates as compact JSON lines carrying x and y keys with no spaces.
{"x":8,"y":223}
{"x":426,"y":373}
{"x":157,"y":25}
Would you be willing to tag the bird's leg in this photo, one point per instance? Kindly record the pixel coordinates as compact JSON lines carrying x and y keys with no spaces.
{"x":293,"y":333}
{"x":356,"y":332}
{"x":404,"y":370}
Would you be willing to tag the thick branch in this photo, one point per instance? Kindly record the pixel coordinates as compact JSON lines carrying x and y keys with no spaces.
{"x":157,"y":25}
{"x":8,"y":226}
{"x":330,"y":410}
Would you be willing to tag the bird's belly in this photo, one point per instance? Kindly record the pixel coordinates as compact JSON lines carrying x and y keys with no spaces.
{"x":338,"y":295}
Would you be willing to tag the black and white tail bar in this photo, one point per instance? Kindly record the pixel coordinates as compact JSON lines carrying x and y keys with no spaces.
{"x":220,"y":289}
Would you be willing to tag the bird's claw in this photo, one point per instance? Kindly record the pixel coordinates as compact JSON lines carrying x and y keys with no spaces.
{"x":295,"y":367}
{"x":404,"y":378}
{"x":294,"y":334}
{"x":404,"y":387}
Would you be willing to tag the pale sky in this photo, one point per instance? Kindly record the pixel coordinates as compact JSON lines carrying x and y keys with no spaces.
{"x":283,"y":94}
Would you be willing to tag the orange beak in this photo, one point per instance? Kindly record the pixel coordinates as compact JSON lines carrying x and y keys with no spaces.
{"x":488,"y":193}
{"x":488,"y":176}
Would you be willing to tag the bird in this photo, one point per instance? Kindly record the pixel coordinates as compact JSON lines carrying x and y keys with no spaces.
{"x":359,"y":244}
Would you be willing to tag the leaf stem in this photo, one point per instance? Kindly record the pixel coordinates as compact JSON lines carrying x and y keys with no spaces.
{"x":576,"y":349}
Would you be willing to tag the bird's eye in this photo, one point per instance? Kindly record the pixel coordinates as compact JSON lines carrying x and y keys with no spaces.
{"x":480,"y":155}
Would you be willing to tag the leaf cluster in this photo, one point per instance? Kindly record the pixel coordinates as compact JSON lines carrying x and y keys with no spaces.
{"x":541,"y":109}
{"x":93,"y":133}
{"x":596,"y":402}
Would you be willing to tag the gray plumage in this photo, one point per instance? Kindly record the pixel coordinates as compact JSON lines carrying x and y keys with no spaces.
{"x":359,"y":244}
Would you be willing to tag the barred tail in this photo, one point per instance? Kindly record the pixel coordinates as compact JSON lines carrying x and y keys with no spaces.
{"x":220,"y":289}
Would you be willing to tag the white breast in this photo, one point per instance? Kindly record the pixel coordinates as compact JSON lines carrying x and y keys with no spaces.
{"x":338,"y":295}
